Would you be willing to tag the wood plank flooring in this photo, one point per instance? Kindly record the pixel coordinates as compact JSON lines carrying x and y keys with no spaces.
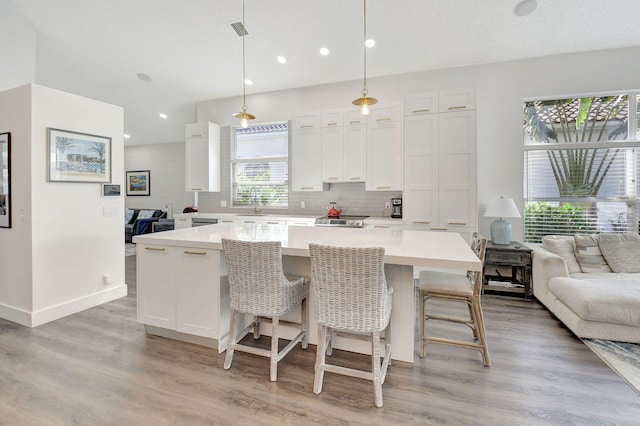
{"x":98,"y":367}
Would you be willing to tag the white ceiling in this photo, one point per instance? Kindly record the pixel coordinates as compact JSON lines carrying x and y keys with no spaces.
{"x":95,"y":48}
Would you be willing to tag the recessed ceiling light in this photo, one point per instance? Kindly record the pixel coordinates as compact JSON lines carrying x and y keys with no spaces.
{"x":144,"y":77}
{"x":248,"y":82}
{"x":281,"y":59}
{"x":370,"y":43}
{"x":126,"y":136}
{"x":525,"y":7}
{"x":324,"y":51}
{"x":163,"y":115}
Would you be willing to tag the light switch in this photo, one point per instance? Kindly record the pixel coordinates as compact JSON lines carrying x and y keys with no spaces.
{"x":109,"y":211}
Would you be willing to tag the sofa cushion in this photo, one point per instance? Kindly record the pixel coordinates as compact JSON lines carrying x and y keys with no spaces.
{"x":589,"y":255}
{"x":129,"y":216}
{"x":614,"y":300}
{"x":563,"y":246}
{"x":622,"y":251}
{"x":146,"y":214}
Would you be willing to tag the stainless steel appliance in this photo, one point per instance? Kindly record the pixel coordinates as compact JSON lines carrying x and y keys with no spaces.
{"x":344,"y":221}
{"x":396,"y":208}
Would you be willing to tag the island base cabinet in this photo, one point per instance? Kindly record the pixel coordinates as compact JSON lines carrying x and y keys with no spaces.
{"x":181,"y":294}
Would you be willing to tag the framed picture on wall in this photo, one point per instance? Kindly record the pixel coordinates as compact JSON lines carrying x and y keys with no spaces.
{"x":5,"y":180}
{"x":78,"y":157}
{"x":138,"y":182}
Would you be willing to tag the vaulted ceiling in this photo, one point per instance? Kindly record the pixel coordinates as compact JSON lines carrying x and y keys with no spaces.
{"x":96,"y":48}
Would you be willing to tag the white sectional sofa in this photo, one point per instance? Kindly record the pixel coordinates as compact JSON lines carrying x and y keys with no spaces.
{"x":591,"y":283}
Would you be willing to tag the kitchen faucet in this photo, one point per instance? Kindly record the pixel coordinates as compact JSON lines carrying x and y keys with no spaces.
{"x":253,"y":200}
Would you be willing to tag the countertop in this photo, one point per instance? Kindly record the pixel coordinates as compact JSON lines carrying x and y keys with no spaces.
{"x":446,"y":250}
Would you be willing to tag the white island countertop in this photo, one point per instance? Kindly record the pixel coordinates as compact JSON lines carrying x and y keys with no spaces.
{"x":446,"y":250}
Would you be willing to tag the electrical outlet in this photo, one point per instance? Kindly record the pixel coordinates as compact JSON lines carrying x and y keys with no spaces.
{"x":223,"y":203}
{"x":302,"y":205}
{"x":387,"y":205}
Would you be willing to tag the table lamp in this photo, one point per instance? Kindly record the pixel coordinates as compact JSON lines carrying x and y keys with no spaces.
{"x":500,"y":228}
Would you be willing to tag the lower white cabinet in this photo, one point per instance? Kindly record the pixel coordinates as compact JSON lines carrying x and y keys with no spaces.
{"x":180,"y":289}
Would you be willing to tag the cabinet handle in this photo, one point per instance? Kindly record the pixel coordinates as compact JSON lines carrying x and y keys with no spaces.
{"x":381,"y":226}
{"x":383,"y":119}
{"x":333,"y":123}
{"x":306,"y":126}
{"x":332,"y":178}
{"x":422,"y":222}
{"x":155,"y":248}
{"x":383,"y":187}
{"x":437,"y":228}
{"x":196,"y":135}
{"x":457,"y":222}
{"x":355,"y":178}
{"x":416,"y":111}
{"x":249,"y":221}
{"x":199,"y":253}
{"x":354,"y":122}
{"x":458,"y":107}
{"x":196,"y":189}
{"x":306,"y":187}
{"x":273,"y":223}
{"x":227,"y":221}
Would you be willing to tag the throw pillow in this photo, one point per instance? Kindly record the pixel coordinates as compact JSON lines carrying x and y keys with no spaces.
{"x":565,"y":248}
{"x":146,"y":214}
{"x":622,"y":251}
{"x":128,"y":216}
{"x":589,"y":255}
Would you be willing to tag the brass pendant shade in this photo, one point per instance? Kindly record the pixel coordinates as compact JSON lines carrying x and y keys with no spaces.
{"x":365,"y":101}
{"x":244,"y":116}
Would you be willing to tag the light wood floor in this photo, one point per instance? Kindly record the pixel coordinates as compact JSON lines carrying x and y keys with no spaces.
{"x":99,"y":368}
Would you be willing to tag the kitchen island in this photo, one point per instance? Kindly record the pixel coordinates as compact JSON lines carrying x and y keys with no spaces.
{"x":183,"y":291}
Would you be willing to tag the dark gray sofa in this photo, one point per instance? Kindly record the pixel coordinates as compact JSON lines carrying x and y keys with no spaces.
{"x":140,"y":221}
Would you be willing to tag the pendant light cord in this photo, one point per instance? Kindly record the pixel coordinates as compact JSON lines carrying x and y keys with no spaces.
{"x":364,"y":45}
{"x":244,"y":76}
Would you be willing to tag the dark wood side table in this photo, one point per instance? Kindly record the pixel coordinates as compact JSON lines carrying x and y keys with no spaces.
{"x":507,"y":269}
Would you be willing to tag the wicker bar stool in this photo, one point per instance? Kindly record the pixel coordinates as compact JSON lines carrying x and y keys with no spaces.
{"x":351,"y":296}
{"x":259,"y":288}
{"x":458,"y":288}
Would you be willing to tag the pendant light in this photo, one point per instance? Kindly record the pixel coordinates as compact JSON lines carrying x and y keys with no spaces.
{"x":365,"y":101}
{"x":244,"y":116}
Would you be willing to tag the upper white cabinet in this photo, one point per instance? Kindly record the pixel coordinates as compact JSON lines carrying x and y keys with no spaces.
{"x":384,"y":149}
{"x":306,"y":151}
{"x":440,"y":162}
{"x":457,"y":100}
{"x":344,"y":147}
{"x":202,"y":157}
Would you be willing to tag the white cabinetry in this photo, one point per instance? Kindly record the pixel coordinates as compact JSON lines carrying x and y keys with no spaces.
{"x":306,"y":152}
{"x":344,"y":137}
{"x":179,"y":289}
{"x":384,"y":149}
{"x":440,"y":162}
{"x":202,"y":157}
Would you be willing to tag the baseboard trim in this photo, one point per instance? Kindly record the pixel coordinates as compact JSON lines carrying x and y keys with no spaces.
{"x":17,"y":315}
{"x":62,"y":310}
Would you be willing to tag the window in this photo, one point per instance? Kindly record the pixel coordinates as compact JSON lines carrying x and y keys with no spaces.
{"x":259,"y":166}
{"x":581,"y":165}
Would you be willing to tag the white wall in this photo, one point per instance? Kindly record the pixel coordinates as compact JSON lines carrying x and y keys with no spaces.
{"x":18,"y":47}
{"x":166,"y":163}
{"x":61,"y":244}
{"x":500,"y":90}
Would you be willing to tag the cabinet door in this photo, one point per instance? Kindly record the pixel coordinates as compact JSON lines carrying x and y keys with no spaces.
{"x":156,"y":292}
{"x":420,"y":196}
{"x":197,"y":294}
{"x":202,"y":164}
{"x":384,"y":155}
{"x":355,"y":152}
{"x":457,"y":100}
{"x":306,"y":152}
{"x":457,"y":169}
{"x":332,"y":154}
{"x":425,"y":103}
{"x":182,"y":222}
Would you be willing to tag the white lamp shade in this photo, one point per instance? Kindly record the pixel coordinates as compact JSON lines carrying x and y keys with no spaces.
{"x":502,"y":207}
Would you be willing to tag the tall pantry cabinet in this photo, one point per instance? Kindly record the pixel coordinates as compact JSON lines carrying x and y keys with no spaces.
{"x":440,"y":162}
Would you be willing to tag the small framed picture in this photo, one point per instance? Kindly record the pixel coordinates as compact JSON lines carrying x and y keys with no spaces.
{"x":138,"y":182}
{"x":78,"y":157}
{"x":110,"y":190}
